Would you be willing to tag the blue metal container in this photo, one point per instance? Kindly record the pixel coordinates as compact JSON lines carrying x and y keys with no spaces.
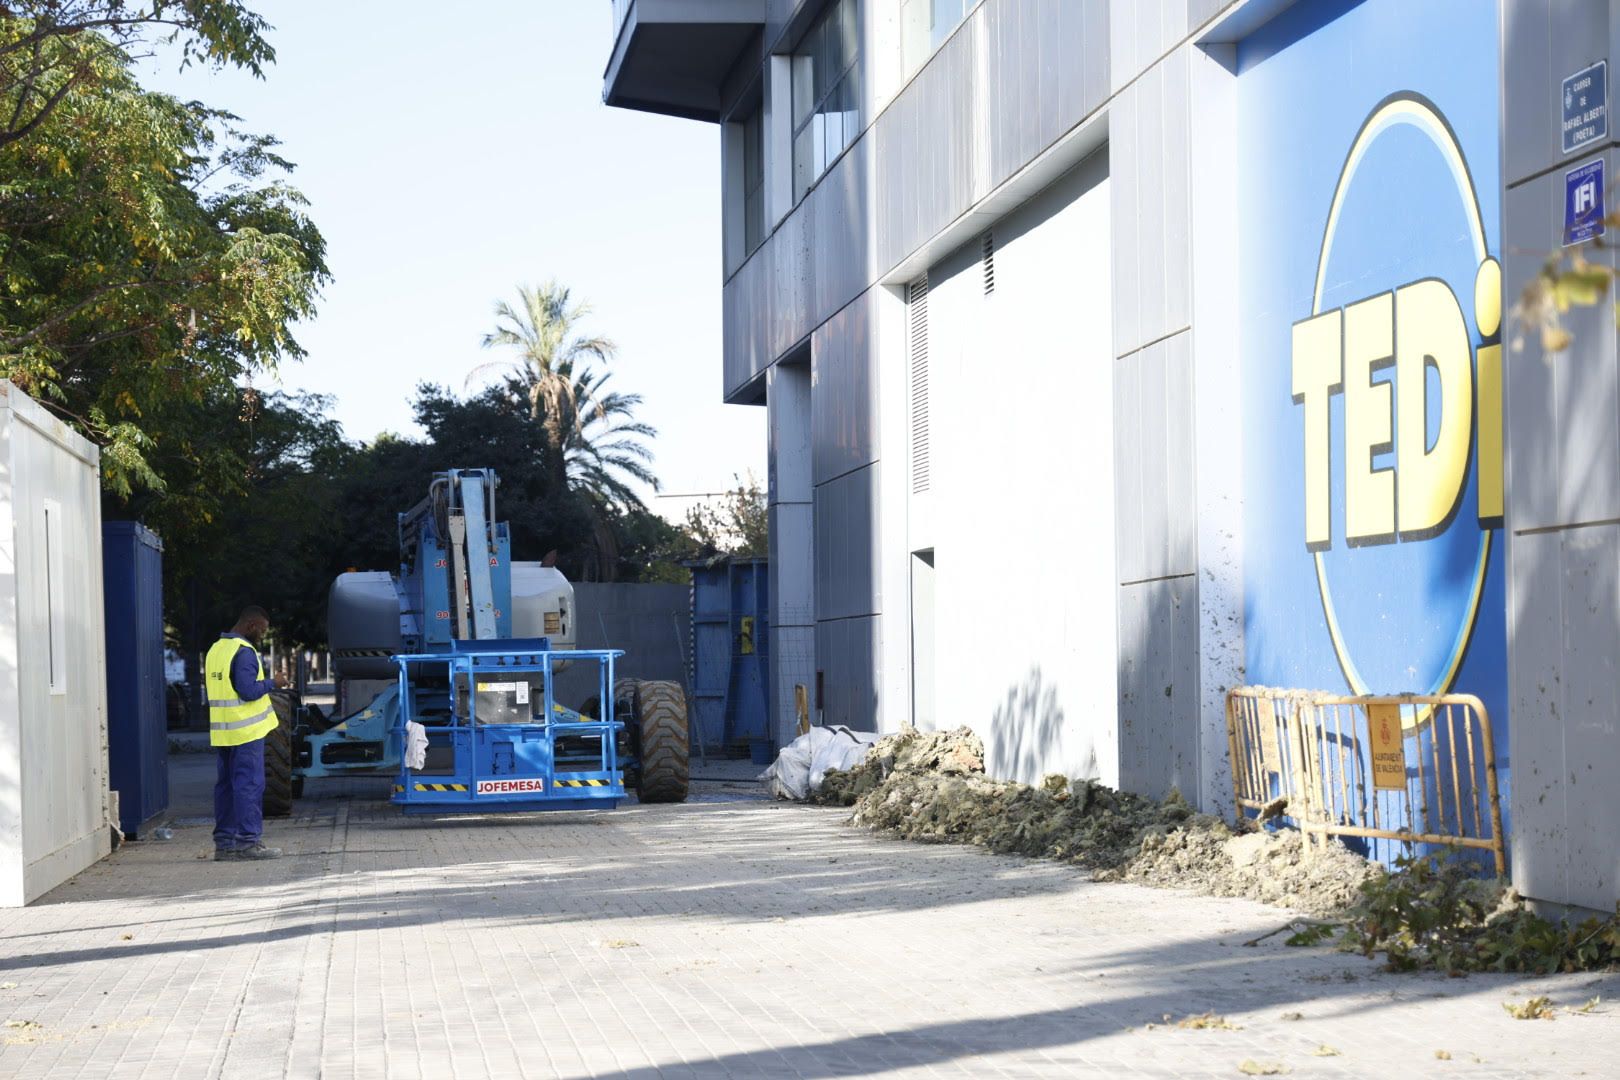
{"x":137,"y":727}
{"x":731,"y":655}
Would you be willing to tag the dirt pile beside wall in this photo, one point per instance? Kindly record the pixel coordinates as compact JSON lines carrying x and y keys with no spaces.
{"x":931,"y":786}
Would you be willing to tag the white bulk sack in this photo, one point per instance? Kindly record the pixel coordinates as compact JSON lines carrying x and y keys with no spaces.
{"x":802,"y":765}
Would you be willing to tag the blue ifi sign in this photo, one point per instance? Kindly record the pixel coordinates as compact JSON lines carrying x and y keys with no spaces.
{"x":1583,"y":203}
{"x":1586,"y":106}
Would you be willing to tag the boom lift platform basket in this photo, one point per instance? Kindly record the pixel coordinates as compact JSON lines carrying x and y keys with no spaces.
{"x":498,"y":741}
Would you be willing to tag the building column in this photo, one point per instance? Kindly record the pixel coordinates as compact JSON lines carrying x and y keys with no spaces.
{"x":1562,"y":473}
{"x":792,"y":574}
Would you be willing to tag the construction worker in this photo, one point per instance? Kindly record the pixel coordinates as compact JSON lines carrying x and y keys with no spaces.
{"x":239,"y":717}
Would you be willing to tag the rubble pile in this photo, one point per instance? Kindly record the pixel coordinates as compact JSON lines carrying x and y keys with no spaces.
{"x":931,"y":787}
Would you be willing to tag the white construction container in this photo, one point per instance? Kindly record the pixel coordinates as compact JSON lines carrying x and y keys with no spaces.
{"x":54,"y":812}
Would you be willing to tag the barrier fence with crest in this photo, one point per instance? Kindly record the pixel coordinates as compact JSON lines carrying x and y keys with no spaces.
{"x":1411,"y":768}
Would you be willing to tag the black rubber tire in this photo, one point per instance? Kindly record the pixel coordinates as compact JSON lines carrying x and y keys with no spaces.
{"x":660,"y":716}
{"x":278,"y":757}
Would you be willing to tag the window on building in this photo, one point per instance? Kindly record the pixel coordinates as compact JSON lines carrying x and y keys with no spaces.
{"x":753,"y":135}
{"x":826,"y":93}
{"x":925,"y":24}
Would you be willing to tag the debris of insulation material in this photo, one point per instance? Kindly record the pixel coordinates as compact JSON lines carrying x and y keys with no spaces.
{"x":931,"y":786}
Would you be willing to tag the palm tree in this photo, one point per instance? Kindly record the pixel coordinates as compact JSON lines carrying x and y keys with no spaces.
{"x":603,"y":447}
{"x":603,"y":452}
{"x":542,"y":331}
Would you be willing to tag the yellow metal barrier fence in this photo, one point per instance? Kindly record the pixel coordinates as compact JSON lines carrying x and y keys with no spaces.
{"x":1264,"y":743}
{"x":1415,"y":768}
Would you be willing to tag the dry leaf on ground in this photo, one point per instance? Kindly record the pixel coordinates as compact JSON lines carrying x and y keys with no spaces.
{"x":1536,"y":1008}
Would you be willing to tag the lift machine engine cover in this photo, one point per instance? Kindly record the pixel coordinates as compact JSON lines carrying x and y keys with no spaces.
{"x":466,"y":644}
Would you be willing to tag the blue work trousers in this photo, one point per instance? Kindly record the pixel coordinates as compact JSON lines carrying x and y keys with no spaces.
{"x":239,"y":795}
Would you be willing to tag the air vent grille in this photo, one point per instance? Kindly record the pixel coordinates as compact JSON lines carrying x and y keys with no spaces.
{"x":989,"y":263}
{"x":917,"y":309}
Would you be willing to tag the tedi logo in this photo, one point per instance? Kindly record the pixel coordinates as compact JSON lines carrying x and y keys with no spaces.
{"x":1398,"y":392}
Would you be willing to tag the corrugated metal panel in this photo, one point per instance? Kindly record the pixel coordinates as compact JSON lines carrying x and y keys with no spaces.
{"x":1531,"y":418}
{"x":1148,"y":116}
{"x":1153,"y":461}
{"x":1587,"y":403}
{"x":137,"y":720}
{"x":731,"y":660}
{"x":1148,"y":427}
{"x":1530,"y":80}
{"x":846,"y":519}
{"x":1130,"y":551}
{"x":1175,"y":160}
{"x":995,"y":95}
{"x":1158,"y":687}
{"x":844,"y":392}
{"x":921,"y":449}
{"x":1591,"y":712}
{"x":846,"y":651}
{"x":1124,"y":166}
{"x":1540,"y":842}
{"x":53,"y":745}
{"x":1180,"y":479}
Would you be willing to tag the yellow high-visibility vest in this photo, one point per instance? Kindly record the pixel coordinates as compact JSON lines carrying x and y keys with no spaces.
{"x":232,"y":721}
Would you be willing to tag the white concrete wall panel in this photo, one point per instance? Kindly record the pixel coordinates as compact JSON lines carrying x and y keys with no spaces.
{"x":1025,"y":631}
{"x":54,"y":818}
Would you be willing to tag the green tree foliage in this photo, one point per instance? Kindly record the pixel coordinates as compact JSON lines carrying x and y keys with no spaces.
{"x":148,"y":260}
{"x":249,"y":512}
{"x":736,"y":524}
{"x":52,"y":48}
{"x":494,"y":429}
{"x":550,"y":355}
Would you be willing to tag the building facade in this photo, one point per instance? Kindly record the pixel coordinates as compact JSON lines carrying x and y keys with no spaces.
{"x":1120,"y":352}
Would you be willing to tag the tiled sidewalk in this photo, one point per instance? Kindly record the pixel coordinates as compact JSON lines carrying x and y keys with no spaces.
{"x":727,"y":937}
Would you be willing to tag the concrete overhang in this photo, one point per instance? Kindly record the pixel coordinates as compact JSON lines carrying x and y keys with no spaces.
{"x":672,"y":56}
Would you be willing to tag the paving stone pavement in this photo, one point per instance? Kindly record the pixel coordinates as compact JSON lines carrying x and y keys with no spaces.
{"x":730,"y":936}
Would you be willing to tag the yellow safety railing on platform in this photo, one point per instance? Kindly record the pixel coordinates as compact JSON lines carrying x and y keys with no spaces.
{"x":1415,"y":768}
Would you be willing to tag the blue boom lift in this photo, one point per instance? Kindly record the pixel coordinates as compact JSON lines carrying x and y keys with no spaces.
{"x":462,"y":647}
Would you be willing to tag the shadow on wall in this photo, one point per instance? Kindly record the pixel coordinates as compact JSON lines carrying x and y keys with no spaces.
{"x":1026,"y":733}
{"x":1159,"y":738}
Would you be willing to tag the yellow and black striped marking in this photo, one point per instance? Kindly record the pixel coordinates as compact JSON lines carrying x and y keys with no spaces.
{"x":433,"y":787}
{"x":583,"y":783}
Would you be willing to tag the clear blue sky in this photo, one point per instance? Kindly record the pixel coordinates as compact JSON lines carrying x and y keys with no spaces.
{"x":451,"y":152}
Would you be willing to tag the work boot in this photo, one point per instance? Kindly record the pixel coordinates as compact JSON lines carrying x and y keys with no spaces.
{"x":258,"y":851}
{"x":224,"y":854}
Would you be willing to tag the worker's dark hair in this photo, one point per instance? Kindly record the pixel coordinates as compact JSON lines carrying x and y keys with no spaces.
{"x":253,"y":613}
